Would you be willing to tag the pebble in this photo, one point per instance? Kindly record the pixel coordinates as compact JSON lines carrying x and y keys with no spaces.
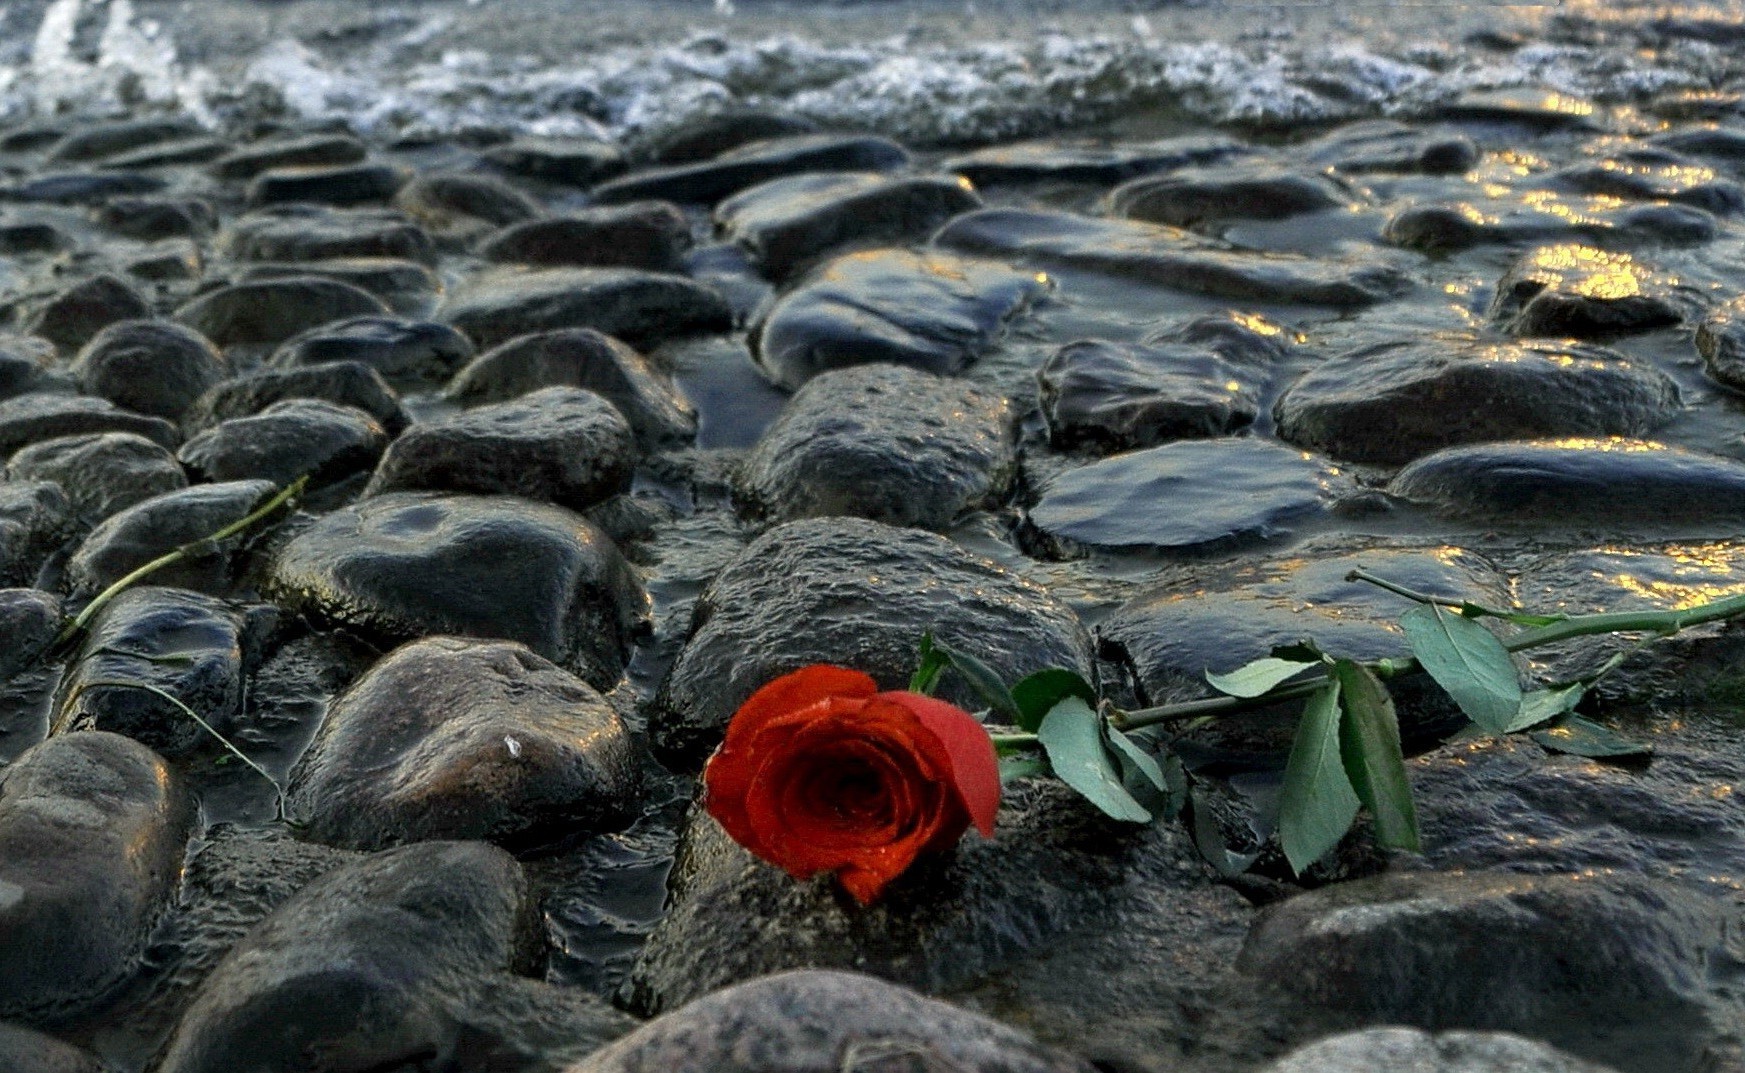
{"x":1111,"y":396}
{"x":1387,"y":1050}
{"x":36,"y":518}
{"x":150,"y":367}
{"x":157,"y":526}
{"x":634,"y":305}
{"x":74,"y":316}
{"x":706,"y":182}
{"x":272,"y":311}
{"x":36,"y":416}
{"x":401,"y":350}
{"x":102,"y":472}
{"x":300,"y":233}
{"x":343,"y":383}
{"x":650,"y":235}
{"x":287,"y":440}
{"x":337,"y":184}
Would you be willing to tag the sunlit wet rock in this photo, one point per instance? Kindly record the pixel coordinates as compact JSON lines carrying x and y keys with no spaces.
{"x":308,"y":150}
{"x":36,"y":518}
{"x":707,"y":182}
{"x":362,"y":183}
{"x":652,"y":235}
{"x":1580,"y":291}
{"x":1720,"y":339}
{"x":399,"y":349}
{"x":343,"y":383}
{"x":73,"y":316}
{"x":495,"y":307}
{"x":1449,"y":227}
{"x":1536,"y":109}
{"x":102,"y":472}
{"x":1383,"y":145}
{"x":1709,"y":141}
{"x":1091,"y":161}
{"x":1651,"y":177}
{"x":1394,"y":401}
{"x":451,"y":738}
{"x":92,"y":832}
{"x":160,"y":525}
{"x":573,"y":161}
{"x":1119,"y":396}
{"x":459,"y":205}
{"x":271,"y":311}
{"x":37,"y":416}
{"x":318,"y":233}
{"x":1196,"y":197}
{"x":287,"y":440}
{"x":149,"y":367}
{"x":406,"y":287}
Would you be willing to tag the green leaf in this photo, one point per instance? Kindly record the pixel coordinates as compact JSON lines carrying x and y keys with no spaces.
{"x":930,"y":662}
{"x":1468,"y":661}
{"x":1304,"y":651}
{"x":1022,"y":766}
{"x":1036,"y":693}
{"x":1148,"y":781}
{"x":1580,"y":737}
{"x":1210,"y":842}
{"x":1369,"y":746}
{"x":983,"y":679}
{"x":1072,"y":733}
{"x":1519,"y":618}
{"x":1254,"y":679}
{"x":1544,"y":704}
{"x":1317,"y":804}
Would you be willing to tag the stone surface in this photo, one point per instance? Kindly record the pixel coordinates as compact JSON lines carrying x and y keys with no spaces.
{"x":710,"y":135}
{"x":343,"y":383}
{"x":451,"y":738}
{"x":151,"y":218}
{"x":408,"y":288}
{"x":30,"y":619}
{"x":1448,"y":227}
{"x":161,"y":524}
{"x":1651,"y":176}
{"x":401,"y":350}
{"x":288,"y":440}
{"x":362,"y":183}
{"x":272,"y":311}
{"x":882,"y":442}
{"x":930,"y":311}
{"x":23,"y":1049}
{"x":101,"y":472}
{"x":313,"y":233}
{"x":1720,"y":339}
{"x":560,"y":445}
{"x":1195,"y":197}
{"x":707,"y":182}
{"x":1587,"y":293}
{"x":633,"y":305}
{"x":73,"y":316}
{"x":1116,"y":396}
{"x":411,"y":565}
{"x":583,"y":358}
{"x":1392,"y":1050}
{"x":853,"y":593}
{"x":1084,"y":160}
{"x":92,"y":830}
{"x":149,"y":367}
{"x":459,"y":204}
{"x":1383,"y":145}
{"x":309,"y":150}
{"x":572,"y":161}
{"x":650,"y":235}
{"x":36,"y":518}
{"x":102,"y":141}
{"x":1394,"y":401}
{"x":26,"y":366}
{"x":37,"y":416}
{"x":84,"y":187}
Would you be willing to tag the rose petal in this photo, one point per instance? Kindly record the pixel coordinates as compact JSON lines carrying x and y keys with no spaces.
{"x":975,"y":767}
{"x":727,"y":778}
{"x":784,"y":695}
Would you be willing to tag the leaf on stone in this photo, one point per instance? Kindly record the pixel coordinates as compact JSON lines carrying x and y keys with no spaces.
{"x":1468,"y":661}
{"x":1318,"y":802}
{"x":1072,"y":735}
{"x":983,"y":679}
{"x":1017,"y":766}
{"x":1209,"y":840}
{"x":1542,"y":705}
{"x":1036,"y":693}
{"x":1145,"y":778}
{"x":1304,"y":651}
{"x":930,"y":663}
{"x":1581,"y":737}
{"x":1259,"y":677}
{"x":1369,"y":746}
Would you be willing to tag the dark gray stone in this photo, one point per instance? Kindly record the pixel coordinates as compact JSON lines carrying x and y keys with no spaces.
{"x":815,"y":1022}
{"x":1383,"y":145}
{"x":199,"y":149}
{"x":1392,"y":1050}
{"x":857,"y":594}
{"x":151,"y":218}
{"x":1118,"y":396}
{"x":1720,"y":339}
{"x":30,"y":620}
{"x":36,"y":518}
{"x":1450,"y":227}
{"x":1579,"y":291}
{"x":333,"y":184}
{"x":1710,"y":141}
{"x":150,"y":367}
{"x":24,"y":1050}
{"x":929,"y":311}
{"x":651,"y":235}
{"x":26,"y":365}
{"x":181,"y":643}
{"x":343,"y":383}
{"x":1171,"y":258}
{"x":288,"y":440}
{"x":71,"y":318}
{"x":1394,"y":401}
{"x":309,"y":150}
{"x":31,"y":418}
{"x":1662,"y":177}
{"x":451,"y":738}
{"x":407,"y":287}
{"x":633,"y":305}
{"x":300,"y":233}
{"x":101,"y":141}
{"x":584,"y":358}
{"x":461,"y":204}
{"x":572,"y":161}
{"x":161,"y":524}
{"x":84,"y":187}
{"x":1533,"y":108}
{"x":1087,"y":161}
{"x":274,"y":310}
{"x":560,"y":445}
{"x":882,"y":442}
{"x":707,"y":182}
{"x":25,"y":237}
{"x":92,"y":831}
{"x":706,"y":136}
{"x":102,"y":472}
{"x":411,"y":565}
{"x":786,"y":223}
{"x":1195,"y":197}
{"x":399,"y":349}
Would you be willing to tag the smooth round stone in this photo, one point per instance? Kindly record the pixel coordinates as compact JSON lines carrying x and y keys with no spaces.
{"x":1397,"y":400}
{"x":84,"y":187}
{"x":561,"y":445}
{"x":160,"y":525}
{"x":199,"y":149}
{"x":651,"y":235}
{"x":929,"y":311}
{"x":701,"y":137}
{"x":92,"y":832}
{"x":786,"y":223}
{"x":633,"y":305}
{"x":311,"y":150}
{"x":101,"y":141}
{"x":288,"y":440}
{"x":25,"y":237}
{"x":150,"y":367}
{"x":406,"y":287}
{"x":272,"y":311}
{"x":399,"y":349}
{"x":30,"y":620}
{"x":38,"y":416}
{"x":1669,"y":179}
{"x":1449,"y":227}
{"x":314,"y":233}
{"x":583,"y":358}
{"x":1392,"y":1050}
{"x":151,"y":218}
{"x":102,"y":472}
{"x":709,"y":181}
{"x":36,"y":517}
{"x":853,"y":593}
{"x":1383,"y":145}
{"x":1198,"y":196}
{"x":1587,"y":293}
{"x":1533,"y":107}
{"x":412,"y":565}
{"x":1579,"y":482}
{"x":71,"y":318}
{"x":23,"y":1049}
{"x":451,"y":738}
{"x":882,"y":442}
{"x":1720,"y":339}
{"x":1195,"y":495}
{"x":338,"y":184}
{"x":1119,"y":396}
{"x":25,"y":366}
{"x":460,"y":204}
{"x":810,"y":1019}
{"x":343,"y":383}
{"x":1084,"y":160}
{"x":181,"y":643}
{"x":572,"y":161}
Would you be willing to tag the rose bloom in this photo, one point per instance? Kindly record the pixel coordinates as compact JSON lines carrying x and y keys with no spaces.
{"x":821,"y":772}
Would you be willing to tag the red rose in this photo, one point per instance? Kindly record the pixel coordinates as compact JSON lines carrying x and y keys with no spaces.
{"x":820,"y":772}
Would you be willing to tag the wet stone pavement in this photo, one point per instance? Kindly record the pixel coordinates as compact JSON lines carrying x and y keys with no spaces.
{"x":601,"y":437}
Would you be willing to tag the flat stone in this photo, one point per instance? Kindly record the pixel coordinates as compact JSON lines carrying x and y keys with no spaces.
{"x":1535,"y":108}
{"x":709,"y":135}
{"x":808,"y":1020}
{"x":31,"y":418}
{"x":1194,"y":495}
{"x":1118,"y":396}
{"x":343,"y":383}
{"x":850,"y":592}
{"x":1085,"y":160}
{"x":929,"y":311}
{"x":102,"y":141}
{"x":301,"y":233}
{"x":26,"y":365}
{"x":72,"y":317}
{"x":1195,"y":197}
{"x":651,"y":235}
{"x":459,"y":204}
{"x":84,"y":187}
{"x":1449,"y":227}
{"x":92,"y":832}
{"x":287,"y":440}
{"x":707,"y":182}
{"x":151,"y":218}
{"x":272,"y":311}
{"x":406,"y":287}
{"x":335,"y":184}
{"x":572,"y":161}
{"x":30,"y":620}
{"x":1583,"y":292}
{"x":25,"y":237}
{"x":1390,"y":1050}
{"x":634,"y":305}
{"x":1383,"y":145}
{"x":102,"y":472}
{"x":786,"y":223}
{"x":309,"y":150}
{"x":1710,"y":141}
{"x":198,"y":149}
{"x":36,"y":518}
{"x":1394,"y":401}
{"x":399,"y":349}
{"x":882,"y":442}
{"x":1720,"y":339}
{"x":1662,"y":178}
{"x":22,"y":1048}
{"x":1171,"y":258}
{"x":451,"y":738}
{"x":150,"y":367}
{"x":412,"y":565}
{"x":161,"y":524}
